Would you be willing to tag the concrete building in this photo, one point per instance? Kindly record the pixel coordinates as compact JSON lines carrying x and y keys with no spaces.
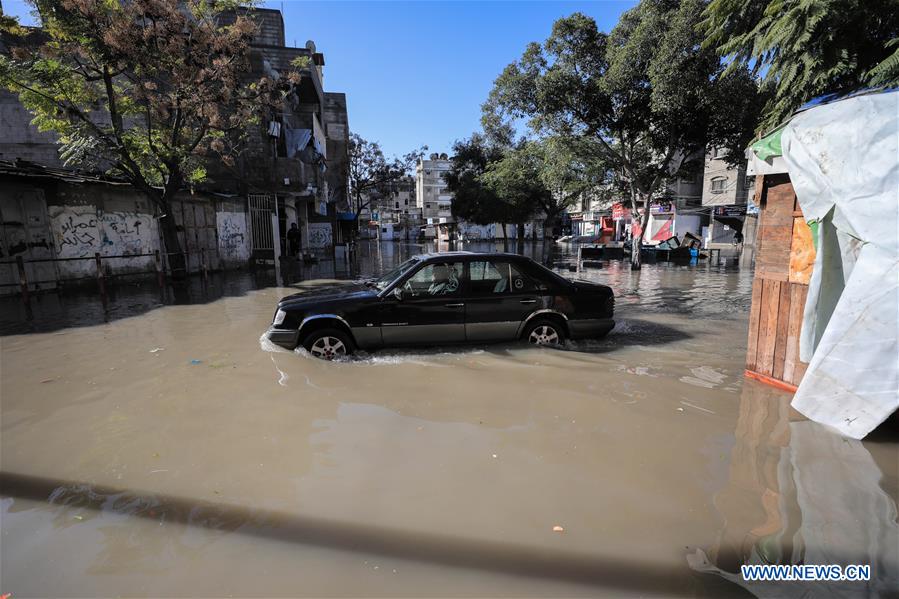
{"x":395,"y":211}
{"x":433,"y":197}
{"x":296,"y":163}
{"x":726,"y":190}
{"x":294,"y":167}
{"x":679,"y":207}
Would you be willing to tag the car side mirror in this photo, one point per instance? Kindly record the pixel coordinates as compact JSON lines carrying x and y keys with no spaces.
{"x":398,"y":293}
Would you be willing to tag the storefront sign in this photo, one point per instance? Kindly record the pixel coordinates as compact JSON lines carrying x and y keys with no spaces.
{"x":663,"y":208}
{"x":619,"y":211}
{"x":730,"y":210}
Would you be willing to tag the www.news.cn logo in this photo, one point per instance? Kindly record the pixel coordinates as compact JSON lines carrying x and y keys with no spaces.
{"x":806,"y":572}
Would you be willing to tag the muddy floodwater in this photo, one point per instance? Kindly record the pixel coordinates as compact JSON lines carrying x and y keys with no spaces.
{"x":170,"y":452}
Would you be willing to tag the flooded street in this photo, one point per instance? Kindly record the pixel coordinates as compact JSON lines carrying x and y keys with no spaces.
{"x":172,"y":452}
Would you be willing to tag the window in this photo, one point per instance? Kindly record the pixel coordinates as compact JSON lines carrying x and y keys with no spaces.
{"x":397,"y":204}
{"x":718,"y":184}
{"x":435,"y":280}
{"x":489,"y":278}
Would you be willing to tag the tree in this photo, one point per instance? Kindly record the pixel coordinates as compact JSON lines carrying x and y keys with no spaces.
{"x":473,"y":200}
{"x":515,"y":182}
{"x":648,"y":96}
{"x":371,"y":175}
{"x":569,"y":169}
{"x":805,"y":48}
{"x":149,"y":90}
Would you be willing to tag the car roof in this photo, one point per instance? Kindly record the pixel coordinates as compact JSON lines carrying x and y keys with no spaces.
{"x":465,"y":254}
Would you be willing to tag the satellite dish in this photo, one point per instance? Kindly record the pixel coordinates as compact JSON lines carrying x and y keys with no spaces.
{"x":310,"y":45}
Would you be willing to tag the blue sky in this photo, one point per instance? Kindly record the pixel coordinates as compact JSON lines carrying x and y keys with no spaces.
{"x":416,"y":73}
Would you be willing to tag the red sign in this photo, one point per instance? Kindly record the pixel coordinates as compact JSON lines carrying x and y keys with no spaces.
{"x":664,"y":231}
{"x":619,"y":211}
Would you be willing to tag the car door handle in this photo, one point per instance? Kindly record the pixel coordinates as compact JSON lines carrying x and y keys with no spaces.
{"x":453,"y":305}
{"x":528,"y":301}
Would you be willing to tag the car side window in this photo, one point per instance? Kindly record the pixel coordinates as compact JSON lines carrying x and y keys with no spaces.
{"x":487,"y":277}
{"x":435,"y":280}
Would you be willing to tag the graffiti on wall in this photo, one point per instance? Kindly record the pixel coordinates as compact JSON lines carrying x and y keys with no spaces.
{"x":82,"y":231}
{"x":234,"y":241}
{"x":319,"y":235}
{"x":75,"y":231}
{"x":473,"y":232}
{"x":127,"y":232}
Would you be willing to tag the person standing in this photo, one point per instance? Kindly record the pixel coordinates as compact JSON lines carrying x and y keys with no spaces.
{"x":293,"y":240}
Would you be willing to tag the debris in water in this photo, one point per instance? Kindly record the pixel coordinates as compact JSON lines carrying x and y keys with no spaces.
{"x":79,"y":517}
{"x":558,"y":528}
{"x":494,"y":455}
{"x":697,"y":407}
{"x":680,"y":409}
{"x":48,"y":380}
{"x":157,"y":350}
{"x":195,"y":361}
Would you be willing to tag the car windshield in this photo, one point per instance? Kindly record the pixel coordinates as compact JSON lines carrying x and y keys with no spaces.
{"x":385,"y":281}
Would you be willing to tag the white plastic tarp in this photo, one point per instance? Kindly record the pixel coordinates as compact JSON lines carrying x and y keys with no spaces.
{"x":843,"y":160}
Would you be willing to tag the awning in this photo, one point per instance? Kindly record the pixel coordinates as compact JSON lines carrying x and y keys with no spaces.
{"x":734,"y":223}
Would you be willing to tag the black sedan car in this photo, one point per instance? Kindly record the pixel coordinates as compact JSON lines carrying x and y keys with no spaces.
{"x":440,"y":299}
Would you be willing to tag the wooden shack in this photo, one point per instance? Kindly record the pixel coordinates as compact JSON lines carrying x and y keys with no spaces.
{"x":784,"y":256}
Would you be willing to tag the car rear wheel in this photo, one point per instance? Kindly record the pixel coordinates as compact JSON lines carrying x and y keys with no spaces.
{"x":546,"y":333}
{"x":328,"y":344}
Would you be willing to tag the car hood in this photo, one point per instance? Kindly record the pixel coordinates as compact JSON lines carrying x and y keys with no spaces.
{"x":589,"y":286}
{"x":330,"y":293}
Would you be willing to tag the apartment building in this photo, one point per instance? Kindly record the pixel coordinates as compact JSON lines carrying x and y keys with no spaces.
{"x":725,"y":194}
{"x":432,"y":196}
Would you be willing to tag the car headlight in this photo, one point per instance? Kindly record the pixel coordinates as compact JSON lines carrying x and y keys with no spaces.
{"x":280,"y":315}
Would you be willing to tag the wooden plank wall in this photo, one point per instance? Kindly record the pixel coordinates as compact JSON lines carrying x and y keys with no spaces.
{"x":780,"y":285}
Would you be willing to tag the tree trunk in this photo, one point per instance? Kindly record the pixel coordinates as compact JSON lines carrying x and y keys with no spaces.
{"x":505,"y":237}
{"x":637,"y":240}
{"x":175,"y":255}
{"x":519,"y":237}
{"x":549,"y":224}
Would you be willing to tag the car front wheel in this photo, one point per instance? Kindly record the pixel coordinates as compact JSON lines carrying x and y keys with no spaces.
{"x":546,"y":333}
{"x":328,"y":344}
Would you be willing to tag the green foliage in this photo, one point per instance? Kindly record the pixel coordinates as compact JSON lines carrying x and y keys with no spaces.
{"x":515,"y":181}
{"x":474,"y":201}
{"x":632,"y":106}
{"x":150,"y":90}
{"x":806,"y":48}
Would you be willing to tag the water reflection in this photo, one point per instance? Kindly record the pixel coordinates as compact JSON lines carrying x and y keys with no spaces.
{"x":701,"y":290}
{"x":799,"y":494}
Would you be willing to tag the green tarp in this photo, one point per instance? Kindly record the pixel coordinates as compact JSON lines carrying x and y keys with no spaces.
{"x":768,"y":146}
